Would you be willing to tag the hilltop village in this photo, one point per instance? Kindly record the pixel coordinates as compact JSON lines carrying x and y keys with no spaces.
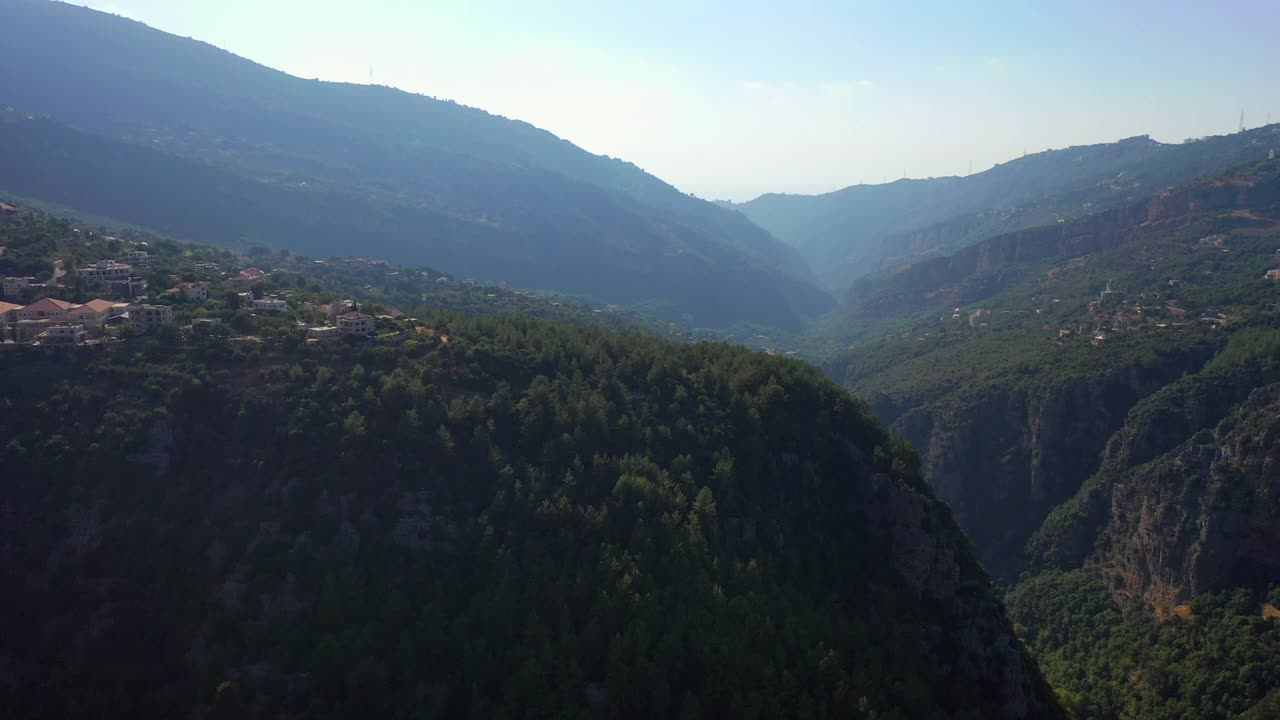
{"x":83,"y":288}
{"x":124,"y":303}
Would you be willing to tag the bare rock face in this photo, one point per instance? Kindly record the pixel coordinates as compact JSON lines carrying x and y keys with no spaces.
{"x":1203,"y":517}
{"x":1185,"y":499}
{"x":1004,"y":459}
{"x":923,"y":541}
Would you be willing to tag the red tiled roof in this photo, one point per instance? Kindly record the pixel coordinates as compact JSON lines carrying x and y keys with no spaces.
{"x":48,"y":304}
{"x":6,"y":307}
{"x":94,"y":306}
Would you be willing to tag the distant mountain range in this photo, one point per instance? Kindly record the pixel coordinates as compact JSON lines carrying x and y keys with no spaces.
{"x":245,"y":155}
{"x":861,"y":229}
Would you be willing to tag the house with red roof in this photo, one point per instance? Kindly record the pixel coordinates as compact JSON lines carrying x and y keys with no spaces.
{"x":192,"y":291}
{"x":246,"y":279}
{"x":46,"y":309}
{"x":8,"y":316}
{"x":39,"y":316}
{"x":93,"y":313}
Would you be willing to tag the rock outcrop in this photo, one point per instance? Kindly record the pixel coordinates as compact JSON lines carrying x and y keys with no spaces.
{"x":1003,"y":457}
{"x":916,"y":528}
{"x":1186,"y":501}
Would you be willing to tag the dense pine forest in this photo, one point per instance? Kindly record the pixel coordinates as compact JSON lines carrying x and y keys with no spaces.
{"x":500,"y":517}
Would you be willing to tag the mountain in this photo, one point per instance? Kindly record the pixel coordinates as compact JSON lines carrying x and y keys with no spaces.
{"x":981,"y":270}
{"x":864,"y":228}
{"x":502,"y":516}
{"x":287,"y":162}
{"x":1184,"y":502}
{"x":1011,"y":363}
{"x":1097,"y":400}
{"x":1161,"y":575}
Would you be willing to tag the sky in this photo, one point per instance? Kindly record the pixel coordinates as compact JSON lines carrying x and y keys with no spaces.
{"x":729,"y":100}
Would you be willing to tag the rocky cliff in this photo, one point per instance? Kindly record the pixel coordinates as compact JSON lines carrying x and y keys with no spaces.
{"x":1004,"y":456}
{"x":1012,"y":400}
{"x":1186,"y":500}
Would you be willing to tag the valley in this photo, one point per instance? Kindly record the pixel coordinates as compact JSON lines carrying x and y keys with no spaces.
{"x":332,"y":400}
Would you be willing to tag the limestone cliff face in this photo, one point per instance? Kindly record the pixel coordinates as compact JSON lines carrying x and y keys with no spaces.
{"x":1004,"y":457}
{"x":976,"y":637}
{"x":1187,"y":499}
{"x":1203,"y":517}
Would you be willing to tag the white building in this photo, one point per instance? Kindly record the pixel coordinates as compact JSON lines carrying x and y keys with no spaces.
{"x":13,"y":286}
{"x":139,"y":258}
{"x":106,"y":271}
{"x":48,"y":309}
{"x":323,"y":335}
{"x":355,"y":323}
{"x":93,"y":313}
{"x":73,"y":334}
{"x":271,"y":304}
{"x":150,"y":317}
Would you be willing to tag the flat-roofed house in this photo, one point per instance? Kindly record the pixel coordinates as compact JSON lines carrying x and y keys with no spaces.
{"x":271,"y":304}
{"x":355,"y":323}
{"x":13,"y":286}
{"x":64,"y":334}
{"x":150,"y":317}
{"x":324,"y":335}
{"x":106,"y":271}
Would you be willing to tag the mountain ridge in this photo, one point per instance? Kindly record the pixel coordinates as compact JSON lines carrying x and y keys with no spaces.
{"x":120,"y":80}
{"x":860,"y":229}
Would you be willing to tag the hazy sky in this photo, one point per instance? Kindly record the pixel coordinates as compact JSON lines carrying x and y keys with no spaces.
{"x":733,"y":99}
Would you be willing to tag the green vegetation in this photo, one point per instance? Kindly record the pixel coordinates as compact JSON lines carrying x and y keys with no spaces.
{"x":971,"y":367}
{"x":868,"y":228}
{"x":1216,"y":659}
{"x":1126,"y":434}
{"x":529,"y":520}
{"x":129,"y":123}
{"x":505,"y":518}
{"x":33,"y":241}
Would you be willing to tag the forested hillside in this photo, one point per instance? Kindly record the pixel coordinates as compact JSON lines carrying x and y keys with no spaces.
{"x":246,"y":154}
{"x":866,"y":228}
{"x":501,"y":517}
{"x":1096,"y":401}
{"x":1012,"y":366}
{"x":1156,"y":588}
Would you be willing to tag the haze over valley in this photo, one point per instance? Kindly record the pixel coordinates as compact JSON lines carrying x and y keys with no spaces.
{"x":323,"y":398}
